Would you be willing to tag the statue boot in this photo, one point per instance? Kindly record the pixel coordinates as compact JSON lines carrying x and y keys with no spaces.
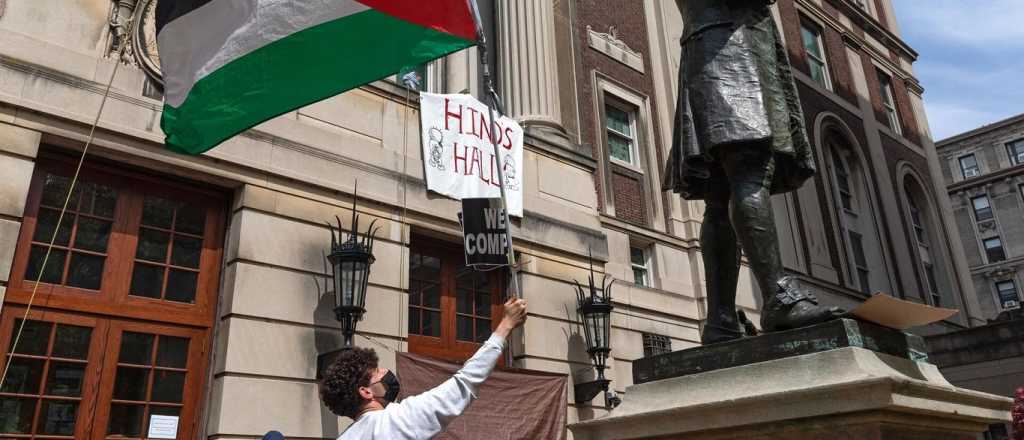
{"x":792,"y":306}
{"x":721,"y":328}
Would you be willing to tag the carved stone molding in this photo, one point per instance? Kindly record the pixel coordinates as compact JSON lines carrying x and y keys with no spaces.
{"x":133,"y":22}
{"x":610,"y":44}
{"x":1001,"y":273}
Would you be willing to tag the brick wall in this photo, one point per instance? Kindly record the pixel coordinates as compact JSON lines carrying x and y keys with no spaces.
{"x":628,"y":194}
{"x":839,"y":65}
{"x":907,"y":117}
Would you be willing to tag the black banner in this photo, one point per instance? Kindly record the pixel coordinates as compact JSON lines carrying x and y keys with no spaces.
{"x":483,"y":231}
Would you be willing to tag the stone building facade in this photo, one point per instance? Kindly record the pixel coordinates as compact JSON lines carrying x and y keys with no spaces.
{"x":204,"y":278}
{"x":981,"y":171}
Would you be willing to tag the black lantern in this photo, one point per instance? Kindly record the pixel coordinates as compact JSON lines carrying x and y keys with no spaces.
{"x":350,"y":267}
{"x":594,"y":309}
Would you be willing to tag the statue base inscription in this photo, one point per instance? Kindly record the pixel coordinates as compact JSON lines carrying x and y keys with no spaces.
{"x":842,"y":379}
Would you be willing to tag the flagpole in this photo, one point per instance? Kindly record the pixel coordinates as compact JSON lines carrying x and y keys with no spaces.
{"x":494,"y":101}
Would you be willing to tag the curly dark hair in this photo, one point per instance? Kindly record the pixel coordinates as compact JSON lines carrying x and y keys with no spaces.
{"x":339,"y":388}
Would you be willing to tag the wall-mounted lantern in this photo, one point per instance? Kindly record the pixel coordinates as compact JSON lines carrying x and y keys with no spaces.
{"x":350,"y":268}
{"x":594,"y":309}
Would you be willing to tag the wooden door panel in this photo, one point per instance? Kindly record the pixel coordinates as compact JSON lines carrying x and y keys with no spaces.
{"x":58,"y":366}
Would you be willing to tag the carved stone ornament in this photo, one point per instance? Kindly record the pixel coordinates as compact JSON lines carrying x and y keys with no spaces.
{"x":144,"y":41}
{"x":986,"y":225}
{"x":610,"y":44}
{"x":133,"y":22}
{"x":1001,"y":273}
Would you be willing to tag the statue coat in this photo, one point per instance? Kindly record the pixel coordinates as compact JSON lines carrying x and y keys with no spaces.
{"x":735,"y":87}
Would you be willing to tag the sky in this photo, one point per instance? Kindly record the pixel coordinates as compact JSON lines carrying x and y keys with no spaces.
{"x":971,"y":61}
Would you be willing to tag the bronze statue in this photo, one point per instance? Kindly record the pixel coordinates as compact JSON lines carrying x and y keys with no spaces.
{"x":739,"y":137}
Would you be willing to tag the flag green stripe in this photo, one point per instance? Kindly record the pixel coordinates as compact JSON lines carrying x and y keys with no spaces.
{"x":298,"y":70}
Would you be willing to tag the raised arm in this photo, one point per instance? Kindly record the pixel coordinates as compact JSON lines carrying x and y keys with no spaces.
{"x":427,"y":414}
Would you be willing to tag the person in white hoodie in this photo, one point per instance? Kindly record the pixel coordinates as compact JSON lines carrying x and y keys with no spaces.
{"x":355,"y":386}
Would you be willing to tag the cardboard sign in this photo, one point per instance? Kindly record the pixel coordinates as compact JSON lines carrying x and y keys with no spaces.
{"x":458,"y":150}
{"x":483,"y":232}
{"x":898,"y":314}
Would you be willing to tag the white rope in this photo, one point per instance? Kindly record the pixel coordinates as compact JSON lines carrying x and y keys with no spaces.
{"x":404,"y":257}
{"x":67,"y":201}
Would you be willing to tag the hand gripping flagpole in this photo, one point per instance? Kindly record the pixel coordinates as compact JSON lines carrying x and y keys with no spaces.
{"x":495,"y":102}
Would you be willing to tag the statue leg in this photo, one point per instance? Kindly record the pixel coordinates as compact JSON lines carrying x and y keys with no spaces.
{"x":750,"y":168}
{"x":721,"y":256}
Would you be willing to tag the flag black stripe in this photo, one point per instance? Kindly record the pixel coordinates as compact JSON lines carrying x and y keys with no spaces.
{"x":169,"y":10}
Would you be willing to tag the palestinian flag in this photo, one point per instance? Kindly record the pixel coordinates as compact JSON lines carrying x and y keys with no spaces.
{"x":231,"y":64}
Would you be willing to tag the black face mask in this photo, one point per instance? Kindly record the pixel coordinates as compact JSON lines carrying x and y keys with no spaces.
{"x":390,"y":381}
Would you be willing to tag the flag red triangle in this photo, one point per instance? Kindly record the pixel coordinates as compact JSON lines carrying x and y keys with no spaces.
{"x":451,"y":16}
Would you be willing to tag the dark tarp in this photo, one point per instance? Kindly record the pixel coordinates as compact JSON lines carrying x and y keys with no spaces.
{"x":512,"y":404}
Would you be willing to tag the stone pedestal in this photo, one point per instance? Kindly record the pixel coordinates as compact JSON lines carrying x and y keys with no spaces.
{"x":860,"y":383}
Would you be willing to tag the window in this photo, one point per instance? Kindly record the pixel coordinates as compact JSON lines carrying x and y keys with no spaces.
{"x":853,"y":210}
{"x":656,"y":344}
{"x":982,"y":208}
{"x":452,"y":308}
{"x":860,"y":262}
{"x":889,"y":102}
{"x":915,"y":218}
{"x":1007,"y":292}
{"x":842,"y":181}
{"x":921,"y":219}
{"x":816,"y":58}
{"x":620,"y":128}
{"x":129,"y":288}
{"x":969,"y":166}
{"x":994,"y":249}
{"x":641,"y":267}
{"x":933,"y":285}
{"x":58,"y":371}
{"x":1015,"y":150}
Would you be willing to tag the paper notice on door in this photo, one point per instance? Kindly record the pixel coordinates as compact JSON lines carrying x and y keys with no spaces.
{"x":163,"y":427}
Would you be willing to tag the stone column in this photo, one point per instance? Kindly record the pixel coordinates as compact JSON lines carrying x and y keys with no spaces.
{"x":527,"y":65}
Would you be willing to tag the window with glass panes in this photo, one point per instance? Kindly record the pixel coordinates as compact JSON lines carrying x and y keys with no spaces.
{"x":842,"y":181}
{"x":452,"y":308}
{"x":137,"y":257}
{"x":639,"y":261}
{"x":969,"y":166}
{"x":620,"y":129}
{"x":889,"y":102}
{"x":994,"y":249}
{"x":656,"y":344}
{"x":933,"y":285}
{"x":814,"y":48}
{"x":982,"y":208}
{"x":1007,"y":293}
{"x":915,"y":217}
{"x":860,"y":262}
{"x":1015,"y":150}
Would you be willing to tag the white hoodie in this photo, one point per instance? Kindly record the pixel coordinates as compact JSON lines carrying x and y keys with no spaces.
{"x":425,"y":415}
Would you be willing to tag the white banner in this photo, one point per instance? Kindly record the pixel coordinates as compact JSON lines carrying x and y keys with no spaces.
{"x":458,"y":153}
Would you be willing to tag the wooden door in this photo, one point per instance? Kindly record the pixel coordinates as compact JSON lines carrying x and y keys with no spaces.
{"x":452,"y":308}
